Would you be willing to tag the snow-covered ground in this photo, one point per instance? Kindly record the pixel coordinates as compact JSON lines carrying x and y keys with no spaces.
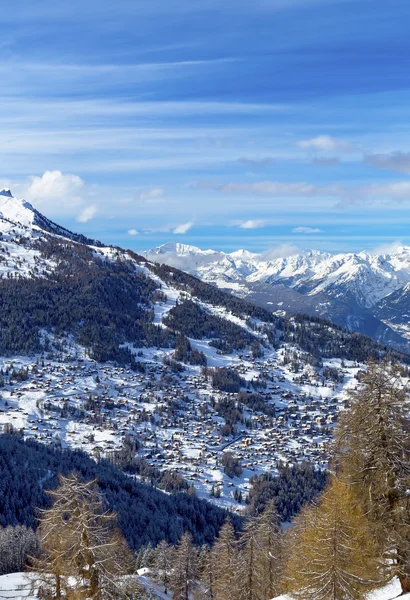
{"x":18,"y":586}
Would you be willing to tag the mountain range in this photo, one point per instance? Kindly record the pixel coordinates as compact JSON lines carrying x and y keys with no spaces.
{"x":364,"y":292}
{"x":111,"y":301}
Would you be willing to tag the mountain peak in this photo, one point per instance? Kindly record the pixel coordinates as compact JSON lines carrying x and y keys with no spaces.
{"x":179,"y":249}
{"x":15,"y":209}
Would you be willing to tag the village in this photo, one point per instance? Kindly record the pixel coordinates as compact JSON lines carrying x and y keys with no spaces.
{"x":178,"y":421}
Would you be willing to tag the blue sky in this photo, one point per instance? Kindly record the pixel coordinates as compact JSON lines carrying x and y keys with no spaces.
{"x":223,"y":124}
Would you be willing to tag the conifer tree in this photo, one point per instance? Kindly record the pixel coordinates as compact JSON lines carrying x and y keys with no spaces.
{"x":185,"y":569}
{"x":333,"y":555}
{"x":225,"y":559}
{"x":249,"y":565}
{"x":270,"y":548}
{"x":163,"y":562}
{"x":207,"y":573}
{"x":83,"y":553}
{"x":373,"y":449}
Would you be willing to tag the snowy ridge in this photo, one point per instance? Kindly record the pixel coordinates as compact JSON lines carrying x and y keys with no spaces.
{"x":368,"y":277}
{"x":368,"y":285}
{"x":16,"y":211}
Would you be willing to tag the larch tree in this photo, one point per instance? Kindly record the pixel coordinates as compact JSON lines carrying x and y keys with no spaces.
{"x":207,"y":573}
{"x":163,"y":562}
{"x":83,"y":554}
{"x":373,"y":449}
{"x":249,"y":565}
{"x":332,"y":554}
{"x":260,"y":556}
{"x":225,"y":559}
{"x":184,"y":576}
{"x":270,"y":552}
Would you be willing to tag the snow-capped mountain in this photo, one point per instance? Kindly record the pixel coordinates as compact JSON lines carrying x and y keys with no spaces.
{"x":350,"y":288}
{"x":18,"y":213}
{"x":344,"y":288}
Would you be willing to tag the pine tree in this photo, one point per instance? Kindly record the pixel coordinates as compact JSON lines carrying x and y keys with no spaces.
{"x":185,"y":569}
{"x":373,"y":449}
{"x":225,"y":559}
{"x":333,"y":555}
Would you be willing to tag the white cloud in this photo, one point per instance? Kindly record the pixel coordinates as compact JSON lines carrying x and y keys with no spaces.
{"x":271,"y":187}
{"x":54,"y":185}
{"x":394,"y":191}
{"x":87,"y":214}
{"x":252,"y":224}
{"x":132,"y":232}
{"x":386,"y":248}
{"x":281,"y":251}
{"x":151,"y":194}
{"x":183,"y":228}
{"x":306,"y":230}
{"x":326,"y":143}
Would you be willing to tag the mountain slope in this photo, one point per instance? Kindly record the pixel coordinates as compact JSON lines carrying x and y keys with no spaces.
{"x":111,"y":301}
{"x":347,"y":288}
{"x":18,"y":212}
{"x":142,"y":363}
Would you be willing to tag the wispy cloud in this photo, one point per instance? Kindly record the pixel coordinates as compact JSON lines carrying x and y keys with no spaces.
{"x":281,"y":251}
{"x":151,"y":194}
{"x":252,"y":224}
{"x":132,"y":232}
{"x":87,"y":214}
{"x":395,"y":161}
{"x":326,"y":143}
{"x":386,"y":248}
{"x":307,"y":230}
{"x":300,"y":188}
{"x":183,"y":228}
{"x":264,"y":161}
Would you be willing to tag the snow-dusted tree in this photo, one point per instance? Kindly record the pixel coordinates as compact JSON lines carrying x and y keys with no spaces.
{"x":184,"y":577}
{"x":225,"y":559}
{"x":163,"y":556}
{"x":17,"y":544}
{"x":83,"y":553}
{"x":333,"y":555}
{"x":373,"y":449}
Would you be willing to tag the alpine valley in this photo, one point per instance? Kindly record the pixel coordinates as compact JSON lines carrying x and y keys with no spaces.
{"x":184,"y":401}
{"x":172,"y":380}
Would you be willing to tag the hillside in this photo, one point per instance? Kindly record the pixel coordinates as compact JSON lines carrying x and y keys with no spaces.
{"x":145,"y":515}
{"x":354,"y":290}
{"x":174,"y":380}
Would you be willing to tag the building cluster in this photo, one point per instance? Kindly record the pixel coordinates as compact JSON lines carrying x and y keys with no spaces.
{"x":176,"y":417}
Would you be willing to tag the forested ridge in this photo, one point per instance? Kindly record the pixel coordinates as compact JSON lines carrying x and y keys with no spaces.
{"x":107,"y":305}
{"x":313,"y":334}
